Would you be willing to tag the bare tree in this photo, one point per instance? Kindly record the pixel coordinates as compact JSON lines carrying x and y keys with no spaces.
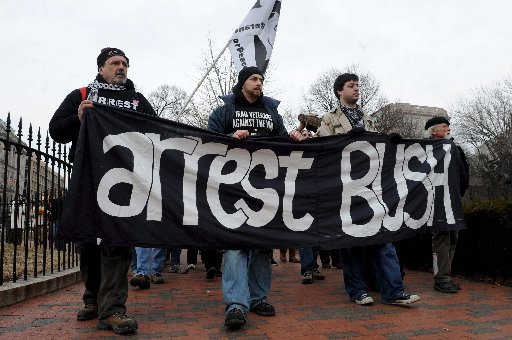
{"x":168,"y":102}
{"x":391,"y":119}
{"x":484,"y":121}
{"x":321,"y":99}
{"x":290,"y":120}
{"x":219,"y":81}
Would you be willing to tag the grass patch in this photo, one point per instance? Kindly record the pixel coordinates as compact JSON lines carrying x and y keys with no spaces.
{"x":8,"y":261}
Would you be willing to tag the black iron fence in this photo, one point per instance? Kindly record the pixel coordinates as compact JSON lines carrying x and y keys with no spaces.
{"x":32,"y":189}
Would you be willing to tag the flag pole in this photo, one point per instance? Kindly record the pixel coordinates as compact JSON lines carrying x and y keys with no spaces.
{"x":204,"y":77}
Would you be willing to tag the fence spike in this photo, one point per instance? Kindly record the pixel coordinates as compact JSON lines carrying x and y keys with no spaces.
{"x":47,"y":146}
{"x":8,"y":127}
{"x":30,"y":133}
{"x":20,"y":127}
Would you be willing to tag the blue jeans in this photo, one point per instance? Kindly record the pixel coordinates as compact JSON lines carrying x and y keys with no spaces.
{"x":246,"y":279}
{"x":145,"y":255}
{"x":308,"y":258}
{"x":385,"y":265}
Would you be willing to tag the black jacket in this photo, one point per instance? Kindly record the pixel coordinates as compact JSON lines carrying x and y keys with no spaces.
{"x":65,"y":125}
{"x":463,"y":169}
{"x":221,"y":119}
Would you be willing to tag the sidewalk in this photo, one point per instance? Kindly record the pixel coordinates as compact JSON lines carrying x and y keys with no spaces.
{"x":189,"y":307}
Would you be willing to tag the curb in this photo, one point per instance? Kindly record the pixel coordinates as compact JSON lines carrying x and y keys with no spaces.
{"x":11,"y":293}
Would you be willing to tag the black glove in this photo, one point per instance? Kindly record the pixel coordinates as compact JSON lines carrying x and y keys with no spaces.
{"x":356,"y":132}
{"x":395,"y":138}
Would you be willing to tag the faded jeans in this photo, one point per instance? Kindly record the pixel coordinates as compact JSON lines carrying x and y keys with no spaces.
{"x":146,"y":255}
{"x":246,"y":279}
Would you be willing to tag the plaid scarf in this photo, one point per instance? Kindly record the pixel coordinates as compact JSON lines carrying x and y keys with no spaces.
{"x":354,"y":115}
{"x":101,"y":85}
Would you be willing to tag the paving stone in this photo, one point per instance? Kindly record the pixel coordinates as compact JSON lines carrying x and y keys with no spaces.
{"x":189,"y":307}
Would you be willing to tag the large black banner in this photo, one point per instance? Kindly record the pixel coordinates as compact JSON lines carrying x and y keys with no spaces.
{"x":151,"y":182}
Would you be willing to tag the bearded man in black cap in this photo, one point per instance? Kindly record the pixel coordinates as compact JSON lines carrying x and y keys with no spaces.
{"x":247,"y":273}
{"x":104,"y":268}
{"x":444,"y":242}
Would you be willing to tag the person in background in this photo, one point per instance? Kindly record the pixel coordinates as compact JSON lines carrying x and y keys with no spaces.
{"x":444,"y":242}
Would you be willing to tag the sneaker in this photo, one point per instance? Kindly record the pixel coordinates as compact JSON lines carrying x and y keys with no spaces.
{"x":405,"y":299}
{"x":363,"y":299}
{"x":174,"y":268}
{"x":188,"y":268}
{"x":235,"y":319}
{"x":141,"y":281}
{"x":157,"y":278}
{"x":307,"y":278}
{"x":273,"y":262}
{"x":317,"y":275}
{"x":211,"y":273}
{"x":119,"y":323}
{"x":446,"y":287}
{"x":88,"y":312}
{"x":263,"y":309}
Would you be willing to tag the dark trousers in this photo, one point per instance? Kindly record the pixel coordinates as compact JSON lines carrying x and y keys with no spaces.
{"x":212,"y":258}
{"x":175,"y":256}
{"x":192,"y":256}
{"x":443,"y":251}
{"x":104,"y":271}
{"x":332,"y":257}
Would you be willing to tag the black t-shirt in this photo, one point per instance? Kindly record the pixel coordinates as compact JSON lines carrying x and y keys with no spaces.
{"x":252,"y":117}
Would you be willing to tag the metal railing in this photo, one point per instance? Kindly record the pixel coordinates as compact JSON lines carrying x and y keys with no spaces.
{"x":35,"y":179}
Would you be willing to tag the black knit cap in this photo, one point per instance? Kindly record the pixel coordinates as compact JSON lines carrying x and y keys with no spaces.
{"x":108,"y":52}
{"x":244,"y":74}
{"x":435,"y":121}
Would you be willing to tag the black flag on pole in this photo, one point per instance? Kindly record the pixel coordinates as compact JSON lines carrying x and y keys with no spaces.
{"x":141,"y":180}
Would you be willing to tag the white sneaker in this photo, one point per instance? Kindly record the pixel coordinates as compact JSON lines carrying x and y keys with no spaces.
{"x":405,"y":299}
{"x":190,"y":267}
{"x":364,"y":299}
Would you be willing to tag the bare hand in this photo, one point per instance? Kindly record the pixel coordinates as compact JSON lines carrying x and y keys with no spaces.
{"x":298,"y":136}
{"x":241,"y":134}
{"x":85,"y":104}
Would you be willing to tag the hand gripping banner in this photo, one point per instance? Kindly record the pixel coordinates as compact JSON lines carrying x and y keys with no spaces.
{"x":141,"y":180}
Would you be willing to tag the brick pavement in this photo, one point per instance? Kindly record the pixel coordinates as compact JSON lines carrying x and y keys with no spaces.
{"x":189,"y":307}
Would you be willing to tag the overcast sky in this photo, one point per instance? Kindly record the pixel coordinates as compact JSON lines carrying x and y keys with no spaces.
{"x":422,"y":52}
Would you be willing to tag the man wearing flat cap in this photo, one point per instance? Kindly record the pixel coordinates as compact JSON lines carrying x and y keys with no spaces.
{"x":444,"y":242}
{"x":104,"y":268}
{"x":247,"y":273}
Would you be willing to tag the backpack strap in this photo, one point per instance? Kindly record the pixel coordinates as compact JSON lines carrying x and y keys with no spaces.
{"x":83,"y":92}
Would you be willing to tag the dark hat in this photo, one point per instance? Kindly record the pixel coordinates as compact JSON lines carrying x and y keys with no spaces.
{"x":435,"y":121}
{"x":108,"y":52}
{"x":244,"y":74}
